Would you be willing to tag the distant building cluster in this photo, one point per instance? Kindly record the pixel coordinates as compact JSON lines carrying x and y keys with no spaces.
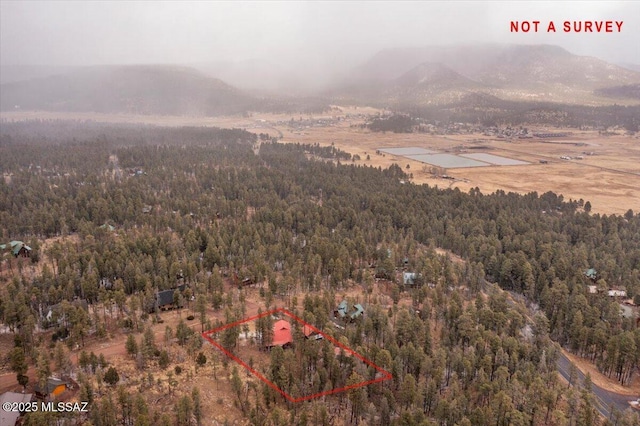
{"x":507,"y":132}
{"x":551,"y":135}
{"x":628,"y":307}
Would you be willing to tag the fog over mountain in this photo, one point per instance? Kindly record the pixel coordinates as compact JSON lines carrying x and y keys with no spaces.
{"x":133,"y":89}
{"x":296,"y":46}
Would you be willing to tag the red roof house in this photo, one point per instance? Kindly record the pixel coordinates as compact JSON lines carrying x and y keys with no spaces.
{"x":282,"y":334}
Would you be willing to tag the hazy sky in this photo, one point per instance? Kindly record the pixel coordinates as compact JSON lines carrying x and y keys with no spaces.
{"x":309,"y":33}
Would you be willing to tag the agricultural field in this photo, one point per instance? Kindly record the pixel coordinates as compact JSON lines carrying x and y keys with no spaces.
{"x":608,"y":175}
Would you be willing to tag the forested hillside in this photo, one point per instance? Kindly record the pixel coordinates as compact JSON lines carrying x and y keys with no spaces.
{"x":207,"y":204}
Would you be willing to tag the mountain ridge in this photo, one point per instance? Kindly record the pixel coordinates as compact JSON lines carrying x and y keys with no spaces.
{"x":138,"y":89}
{"x":420,"y":76}
{"x":516,"y":72}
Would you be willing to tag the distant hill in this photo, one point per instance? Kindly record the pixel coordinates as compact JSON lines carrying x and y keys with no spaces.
{"x":13,"y":73}
{"x":516,"y":72}
{"x":427,"y":82}
{"x":433,"y":75}
{"x":138,"y":89}
{"x":551,"y":66}
{"x":389,"y":64}
{"x":431,"y":82}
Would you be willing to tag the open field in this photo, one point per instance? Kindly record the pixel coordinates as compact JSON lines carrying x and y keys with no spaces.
{"x":609,"y":179}
{"x":608,"y":175}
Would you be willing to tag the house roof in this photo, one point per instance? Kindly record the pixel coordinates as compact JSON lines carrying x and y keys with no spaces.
{"x":590,"y":273}
{"x":359,"y":310}
{"x":408,"y":278}
{"x":343,"y":307}
{"x":11,"y":417}
{"x":281,"y":333}
{"x":106,"y":283}
{"x":57,"y":308}
{"x":16,"y":246}
{"x":52,"y":383}
{"x":312,"y":333}
{"x":165,"y":297}
{"x":309,"y":331}
{"x":17,"y":250}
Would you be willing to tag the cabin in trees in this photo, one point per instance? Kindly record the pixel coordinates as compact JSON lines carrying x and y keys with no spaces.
{"x":383,"y":273}
{"x":245,"y":282}
{"x":166,"y":299}
{"x":106,"y":283}
{"x":617,"y":293}
{"x":56,"y":314}
{"x":342,"y":312}
{"x":411,"y":278}
{"x":311,"y":333}
{"x":281,"y":335}
{"x":359,"y":310}
{"x":53,"y":389}
{"x":11,"y":418}
{"x":17,"y":248}
{"x":107,"y":227}
{"x":591,"y":274}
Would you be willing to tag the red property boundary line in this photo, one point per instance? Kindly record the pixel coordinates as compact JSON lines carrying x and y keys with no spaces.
{"x":207,"y":335}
